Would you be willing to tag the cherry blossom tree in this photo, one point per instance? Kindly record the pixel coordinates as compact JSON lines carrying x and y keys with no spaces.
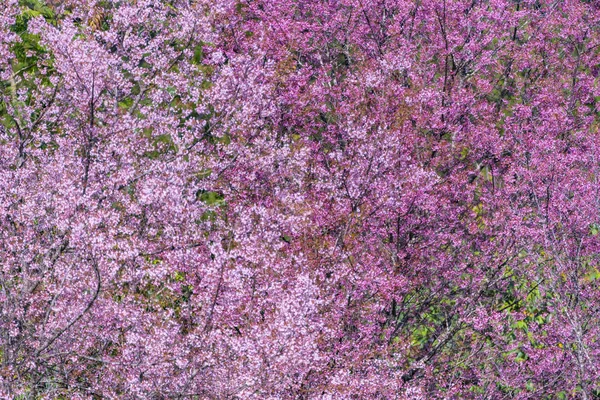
{"x":333,"y":199}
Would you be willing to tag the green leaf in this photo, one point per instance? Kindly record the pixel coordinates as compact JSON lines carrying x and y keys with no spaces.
{"x":286,"y":238}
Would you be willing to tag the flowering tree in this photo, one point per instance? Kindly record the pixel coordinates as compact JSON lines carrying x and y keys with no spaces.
{"x":299,"y":199}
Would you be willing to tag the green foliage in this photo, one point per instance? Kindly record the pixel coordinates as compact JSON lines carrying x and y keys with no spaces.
{"x":31,"y":65}
{"x":210,"y":198}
